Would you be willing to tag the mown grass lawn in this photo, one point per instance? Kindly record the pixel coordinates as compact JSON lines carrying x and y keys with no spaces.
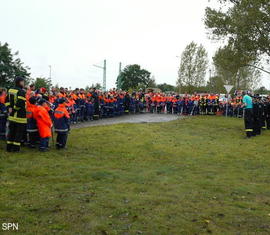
{"x":192,"y":176}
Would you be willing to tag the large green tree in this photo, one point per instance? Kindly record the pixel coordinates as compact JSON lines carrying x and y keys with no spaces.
{"x":245,"y":24}
{"x":10,"y":66}
{"x":193,"y":66}
{"x":134,"y":77}
{"x":230,"y":67}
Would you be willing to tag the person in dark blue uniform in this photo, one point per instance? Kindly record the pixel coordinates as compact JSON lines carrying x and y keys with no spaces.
{"x":257,"y":113}
{"x":95,"y":97}
{"x":267,"y":113}
{"x":61,"y":124}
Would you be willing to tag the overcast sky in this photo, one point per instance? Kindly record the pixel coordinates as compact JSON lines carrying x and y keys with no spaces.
{"x":73,"y":35}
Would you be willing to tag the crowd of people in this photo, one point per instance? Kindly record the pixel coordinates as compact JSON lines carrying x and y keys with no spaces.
{"x":33,"y":114}
{"x":256,"y":114}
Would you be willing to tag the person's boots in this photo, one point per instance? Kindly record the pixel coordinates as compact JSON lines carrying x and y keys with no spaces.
{"x":9,"y":148}
{"x":16,"y":148}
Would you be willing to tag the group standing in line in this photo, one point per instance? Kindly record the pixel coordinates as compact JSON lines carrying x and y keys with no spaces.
{"x":33,"y":114}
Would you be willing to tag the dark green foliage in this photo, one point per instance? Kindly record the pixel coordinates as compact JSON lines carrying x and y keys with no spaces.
{"x":43,"y":82}
{"x":166,"y":87}
{"x":244,"y":23}
{"x":262,"y":91}
{"x":230,"y":65}
{"x":134,"y":77}
{"x":10,"y":66}
{"x":216,"y":85}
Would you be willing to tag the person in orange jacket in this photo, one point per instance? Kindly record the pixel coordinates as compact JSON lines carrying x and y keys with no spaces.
{"x":32,"y":129}
{"x":61,"y":124}
{"x":44,"y":124}
{"x":3,"y":114}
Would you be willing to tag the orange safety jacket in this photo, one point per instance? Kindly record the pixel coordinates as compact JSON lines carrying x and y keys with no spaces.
{"x":61,"y":119}
{"x":44,"y":122}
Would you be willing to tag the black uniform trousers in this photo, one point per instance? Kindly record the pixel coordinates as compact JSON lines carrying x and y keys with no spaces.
{"x":263,"y":122}
{"x":61,"y":139}
{"x":248,"y":122}
{"x":15,"y":136}
{"x":268,"y":122}
{"x":33,"y":137}
{"x":3,"y":122}
{"x":256,"y":126}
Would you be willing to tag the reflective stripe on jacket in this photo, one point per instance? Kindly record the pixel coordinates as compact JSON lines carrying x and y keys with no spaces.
{"x":61,"y":119}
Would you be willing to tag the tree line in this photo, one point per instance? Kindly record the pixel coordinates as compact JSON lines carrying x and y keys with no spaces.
{"x":11,"y":66}
{"x":242,"y":25}
{"x":244,"y":28}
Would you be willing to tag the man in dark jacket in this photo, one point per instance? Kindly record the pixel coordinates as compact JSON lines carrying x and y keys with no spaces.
{"x":95,"y":97}
{"x":267,"y":113}
{"x":257,"y":116}
{"x":127,"y":101}
{"x":15,"y":103}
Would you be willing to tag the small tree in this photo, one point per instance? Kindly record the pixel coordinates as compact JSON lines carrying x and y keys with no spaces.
{"x":193,"y":67}
{"x":43,"y":82}
{"x":97,"y":86}
{"x":133,"y":77}
{"x":262,"y":91}
{"x":166,"y":87}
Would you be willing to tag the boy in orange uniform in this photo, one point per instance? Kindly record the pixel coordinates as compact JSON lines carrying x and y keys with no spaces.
{"x":61,"y":124}
{"x":32,"y":129}
{"x":44,"y":124}
{"x":3,"y":114}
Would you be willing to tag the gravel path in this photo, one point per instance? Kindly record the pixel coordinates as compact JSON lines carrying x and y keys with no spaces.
{"x":133,"y":118}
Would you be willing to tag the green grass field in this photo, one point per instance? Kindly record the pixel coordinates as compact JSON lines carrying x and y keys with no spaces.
{"x":191,"y":176}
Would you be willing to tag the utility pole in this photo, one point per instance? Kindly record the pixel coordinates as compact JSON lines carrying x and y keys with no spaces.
{"x":50,"y":72}
{"x":120,"y":68}
{"x":118,"y":80}
{"x":104,"y":74}
{"x":104,"y":67}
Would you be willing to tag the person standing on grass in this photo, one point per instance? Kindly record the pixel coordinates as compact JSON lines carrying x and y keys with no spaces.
{"x":44,"y":124}
{"x":248,"y":107}
{"x":16,"y":103}
{"x":267,"y":112}
{"x":61,"y":124}
{"x":32,"y":130}
{"x":256,"y":116}
{"x":95,"y":97}
{"x":3,"y":114}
